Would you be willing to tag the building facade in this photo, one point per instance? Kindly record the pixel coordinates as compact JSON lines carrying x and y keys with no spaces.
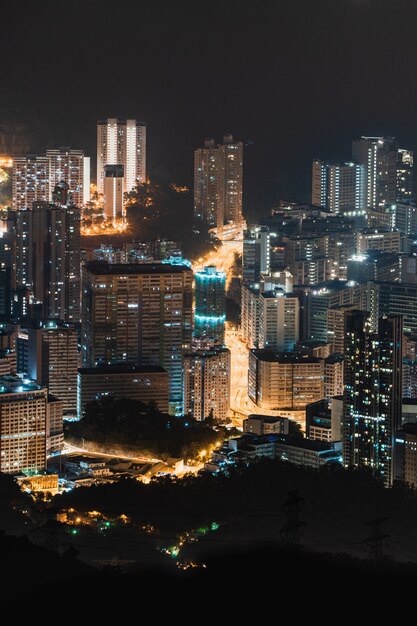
{"x":218,"y":182}
{"x":372,"y":392}
{"x":405,"y":175}
{"x":48,"y":258}
{"x":30,"y":181}
{"x":207,"y":384}
{"x":53,"y":361}
{"x":210,"y":305}
{"x":23,"y":426}
{"x":148,"y":384}
{"x":139,"y":314}
{"x":121,"y":142}
{"x":73,"y":168}
{"x":339,"y":187}
{"x":379,"y":155}
{"x":284,"y":381}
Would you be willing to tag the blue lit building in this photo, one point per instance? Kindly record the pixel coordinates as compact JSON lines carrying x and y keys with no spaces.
{"x":210,"y":307}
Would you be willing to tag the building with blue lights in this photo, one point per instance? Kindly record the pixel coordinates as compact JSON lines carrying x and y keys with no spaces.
{"x":210,"y":307}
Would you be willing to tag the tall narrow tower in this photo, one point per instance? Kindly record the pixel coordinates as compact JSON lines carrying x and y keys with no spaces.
{"x":121,"y":142}
{"x":373,"y":392}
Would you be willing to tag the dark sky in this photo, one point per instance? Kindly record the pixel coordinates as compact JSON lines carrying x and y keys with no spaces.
{"x":296,"y":79}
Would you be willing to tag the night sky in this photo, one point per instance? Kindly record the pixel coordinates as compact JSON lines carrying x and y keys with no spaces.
{"x":294,"y":79}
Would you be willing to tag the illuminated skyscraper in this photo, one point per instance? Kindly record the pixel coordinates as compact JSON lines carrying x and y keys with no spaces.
{"x":34,"y":178}
{"x":72,"y":167}
{"x":373,"y":392}
{"x":121,"y":142}
{"x":207,"y":384}
{"x":210,"y":307}
{"x":139,"y":314}
{"x":278,"y":321}
{"x":379,"y":155}
{"x":53,"y":361}
{"x":218,"y":182}
{"x":405,"y":165}
{"x":48,"y":258}
{"x":339,"y":187}
{"x":113,"y":191}
{"x":30,"y":181}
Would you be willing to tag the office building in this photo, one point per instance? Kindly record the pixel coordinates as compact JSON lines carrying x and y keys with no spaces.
{"x":148,"y":384}
{"x":373,"y":392}
{"x":48,"y":258}
{"x":210,"y":306}
{"x":207,"y":384}
{"x":139,"y":314}
{"x":73,"y":168}
{"x":23,"y":426}
{"x":379,"y":155}
{"x":218,"y":179}
{"x":405,"y":173}
{"x":30,"y":181}
{"x":113,"y":192}
{"x":121,"y":142}
{"x":53,"y":361}
{"x":284,"y":381}
{"x":278,"y":321}
{"x":339,"y":187}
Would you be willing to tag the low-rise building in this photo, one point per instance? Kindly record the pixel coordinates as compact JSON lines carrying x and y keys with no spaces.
{"x":148,"y":384}
{"x":266,"y":425}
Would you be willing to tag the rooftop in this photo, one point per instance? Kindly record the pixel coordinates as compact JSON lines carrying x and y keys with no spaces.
{"x":269,"y":419}
{"x":283,"y":357}
{"x":122,"y":368}
{"x":336,"y":357}
{"x":15,"y":384}
{"x":100,"y":268}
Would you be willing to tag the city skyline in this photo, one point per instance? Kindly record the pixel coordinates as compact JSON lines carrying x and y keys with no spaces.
{"x":176,"y":102}
{"x":208,"y":297}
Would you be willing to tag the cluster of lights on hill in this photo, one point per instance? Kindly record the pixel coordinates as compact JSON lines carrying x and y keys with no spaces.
{"x":108,"y":227}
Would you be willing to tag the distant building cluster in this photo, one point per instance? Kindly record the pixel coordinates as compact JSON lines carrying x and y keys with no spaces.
{"x":320,"y":368}
{"x":328,"y":301}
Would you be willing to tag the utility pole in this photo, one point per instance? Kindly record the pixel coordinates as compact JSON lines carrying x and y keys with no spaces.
{"x":291,"y":531}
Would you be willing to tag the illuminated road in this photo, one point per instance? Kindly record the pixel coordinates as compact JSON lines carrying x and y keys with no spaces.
{"x":240,"y":404}
{"x":224,"y":256}
{"x":70,"y":449}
